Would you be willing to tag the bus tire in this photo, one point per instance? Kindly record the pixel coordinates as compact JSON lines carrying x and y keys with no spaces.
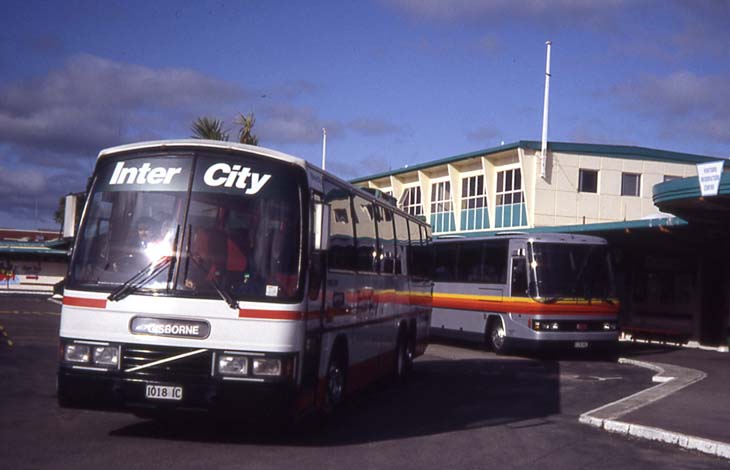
{"x":403,"y":358}
{"x":496,"y":336}
{"x":336,"y":380}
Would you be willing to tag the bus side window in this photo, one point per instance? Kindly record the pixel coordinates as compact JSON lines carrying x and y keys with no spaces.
{"x":401,"y":233}
{"x":366,"y":243}
{"x":444,"y":265}
{"x":519,"y":277}
{"x":420,"y":257}
{"x":386,"y":240}
{"x":495,"y":255}
{"x":342,"y":241}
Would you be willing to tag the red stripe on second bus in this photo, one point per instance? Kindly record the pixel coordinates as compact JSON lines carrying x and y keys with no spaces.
{"x":84,"y":302}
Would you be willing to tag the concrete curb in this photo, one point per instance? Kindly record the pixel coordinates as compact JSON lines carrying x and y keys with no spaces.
{"x":670,"y":379}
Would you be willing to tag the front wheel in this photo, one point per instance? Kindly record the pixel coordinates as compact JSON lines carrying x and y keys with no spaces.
{"x":335,"y":382}
{"x":496,"y":339}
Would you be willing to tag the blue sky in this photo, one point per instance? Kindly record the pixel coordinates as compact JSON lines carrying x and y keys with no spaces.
{"x":395,"y":82}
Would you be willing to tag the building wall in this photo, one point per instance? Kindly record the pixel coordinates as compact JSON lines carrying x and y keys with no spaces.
{"x":30,"y":274}
{"x":558,"y":200}
{"x":547,"y":202}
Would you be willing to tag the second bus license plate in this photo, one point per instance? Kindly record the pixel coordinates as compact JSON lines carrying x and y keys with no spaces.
{"x":580,"y":344}
{"x":163,"y":392}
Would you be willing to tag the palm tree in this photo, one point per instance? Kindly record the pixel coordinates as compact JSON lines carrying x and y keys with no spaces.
{"x":246,"y":122}
{"x":208,"y":128}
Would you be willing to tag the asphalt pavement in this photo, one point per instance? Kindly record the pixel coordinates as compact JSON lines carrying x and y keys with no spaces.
{"x":513,"y":412}
{"x":687,"y":408}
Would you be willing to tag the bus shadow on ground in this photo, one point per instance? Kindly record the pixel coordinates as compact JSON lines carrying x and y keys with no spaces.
{"x":441,"y":396}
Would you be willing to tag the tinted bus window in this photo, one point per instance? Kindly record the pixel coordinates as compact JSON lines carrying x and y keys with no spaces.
{"x":366,"y":246}
{"x":444,"y":264}
{"x":470,"y":264}
{"x":495,"y":261}
{"x":342,"y":241}
{"x":420,"y":256}
{"x":386,"y":239}
{"x":401,"y":233}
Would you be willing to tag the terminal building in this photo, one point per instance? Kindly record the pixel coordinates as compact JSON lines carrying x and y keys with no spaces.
{"x":668,"y":242}
{"x":32,"y":260}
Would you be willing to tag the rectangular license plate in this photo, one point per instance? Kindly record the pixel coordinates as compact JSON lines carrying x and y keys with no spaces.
{"x":163,"y":392}
{"x":580,"y":344}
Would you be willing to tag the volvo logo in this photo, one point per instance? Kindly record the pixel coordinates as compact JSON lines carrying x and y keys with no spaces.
{"x":169,"y":327}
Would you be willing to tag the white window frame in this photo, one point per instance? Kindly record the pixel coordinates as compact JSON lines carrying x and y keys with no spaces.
{"x":511,"y":193}
{"x":411,"y":200}
{"x":467,"y":180}
{"x":441,"y":203}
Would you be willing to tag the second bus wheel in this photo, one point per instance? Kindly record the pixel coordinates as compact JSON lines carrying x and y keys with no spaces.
{"x":496,"y":336}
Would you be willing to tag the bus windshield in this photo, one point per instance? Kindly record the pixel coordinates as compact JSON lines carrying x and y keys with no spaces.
{"x":198,"y":225}
{"x":570,"y":271}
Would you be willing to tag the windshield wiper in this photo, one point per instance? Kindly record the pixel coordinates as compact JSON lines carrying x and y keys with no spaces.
{"x":219,"y":288}
{"x":144,"y":276}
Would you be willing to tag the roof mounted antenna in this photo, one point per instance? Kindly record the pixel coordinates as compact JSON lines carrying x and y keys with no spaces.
{"x":543,"y":150}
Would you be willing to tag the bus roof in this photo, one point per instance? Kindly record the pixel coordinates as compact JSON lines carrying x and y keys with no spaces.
{"x":202,"y":143}
{"x":546,"y":237}
{"x":236,"y":147}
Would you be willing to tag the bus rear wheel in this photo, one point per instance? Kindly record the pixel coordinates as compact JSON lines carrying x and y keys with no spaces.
{"x":496,"y":336}
{"x":403,"y":360}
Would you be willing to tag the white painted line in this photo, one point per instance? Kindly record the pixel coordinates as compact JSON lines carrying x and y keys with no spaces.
{"x":671,"y":379}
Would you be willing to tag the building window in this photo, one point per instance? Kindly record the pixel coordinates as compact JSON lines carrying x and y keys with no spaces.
{"x":630,"y":184}
{"x":587,"y":181}
{"x":510,"y":208}
{"x":441,"y":197}
{"x":410,"y":202}
{"x":474,"y":214}
{"x":442,"y":217}
{"x":473,"y":195}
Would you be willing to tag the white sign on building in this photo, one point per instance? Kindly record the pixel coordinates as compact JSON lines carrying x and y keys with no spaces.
{"x":709,"y":175}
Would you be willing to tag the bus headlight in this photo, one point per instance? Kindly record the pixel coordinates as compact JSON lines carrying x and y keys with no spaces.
{"x":542,"y":325}
{"x":266,"y":366}
{"x":78,"y":353}
{"x":232,"y":365}
{"x":106,"y":355}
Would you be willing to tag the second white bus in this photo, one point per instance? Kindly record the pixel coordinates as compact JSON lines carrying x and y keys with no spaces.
{"x":526,"y":291}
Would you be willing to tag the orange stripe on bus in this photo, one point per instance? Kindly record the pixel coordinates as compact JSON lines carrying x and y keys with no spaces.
{"x":523,"y":306}
{"x":84,"y":302}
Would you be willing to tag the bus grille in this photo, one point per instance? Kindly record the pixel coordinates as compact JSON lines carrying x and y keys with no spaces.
{"x":192,"y":367}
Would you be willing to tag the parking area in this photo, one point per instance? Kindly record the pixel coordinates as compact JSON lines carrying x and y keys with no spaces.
{"x":463,"y":408}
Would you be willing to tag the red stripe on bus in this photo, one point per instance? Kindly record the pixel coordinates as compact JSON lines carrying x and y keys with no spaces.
{"x":270,"y":314}
{"x":84,"y":302}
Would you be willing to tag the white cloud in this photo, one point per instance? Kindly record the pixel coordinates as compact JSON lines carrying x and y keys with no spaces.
{"x":682,"y":103}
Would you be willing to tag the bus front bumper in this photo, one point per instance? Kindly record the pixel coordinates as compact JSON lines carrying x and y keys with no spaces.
{"x":80,"y":389}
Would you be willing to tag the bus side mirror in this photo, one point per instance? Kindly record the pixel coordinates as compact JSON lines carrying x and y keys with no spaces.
{"x":321,"y":226}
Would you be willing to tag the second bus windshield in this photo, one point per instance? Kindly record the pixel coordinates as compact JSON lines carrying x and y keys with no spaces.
{"x":578,"y":271}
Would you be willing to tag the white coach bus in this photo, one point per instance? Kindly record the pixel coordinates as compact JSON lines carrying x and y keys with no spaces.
{"x":217,"y":276}
{"x":526,"y":291}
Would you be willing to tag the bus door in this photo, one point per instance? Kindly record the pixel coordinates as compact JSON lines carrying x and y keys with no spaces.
{"x":314,"y":307}
{"x":518,"y":271}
